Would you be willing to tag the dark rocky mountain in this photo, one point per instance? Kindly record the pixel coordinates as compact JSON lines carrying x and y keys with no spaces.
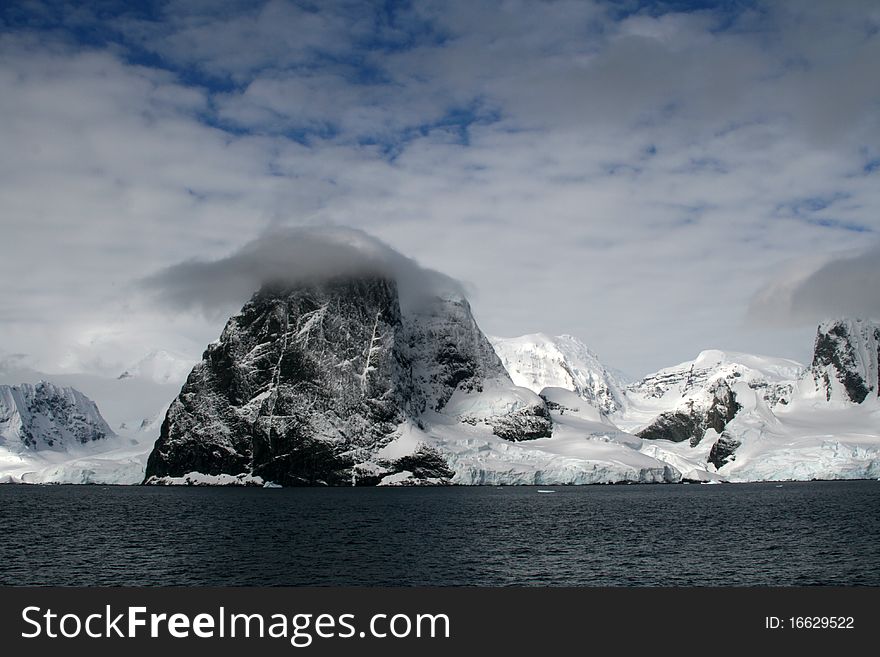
{"x":309,"y":381}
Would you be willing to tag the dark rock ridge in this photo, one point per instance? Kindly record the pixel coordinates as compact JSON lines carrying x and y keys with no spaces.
{"x":46,"y":416}
{"x":692,"y":422}
{"x":309,"y":381}
{"x":847,"y":350}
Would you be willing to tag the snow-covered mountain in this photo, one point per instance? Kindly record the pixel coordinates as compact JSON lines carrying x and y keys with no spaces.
{"x":48,"y":417}
{"x":538,"y":361}
{"x":734,"y":416}
{"x":337,"y":382}
{"x":778,"y":421}
{"x":133,"y":408}
{"x":50,"y":433}
{"x":340,"y":382}
{"x":846,"y":361}
{"x":307,"y":382}
{"x":127,"y":404}
{"x":682,"y":402}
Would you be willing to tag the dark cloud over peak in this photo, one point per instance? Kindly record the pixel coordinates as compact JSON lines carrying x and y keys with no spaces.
{"x":289,"y":256}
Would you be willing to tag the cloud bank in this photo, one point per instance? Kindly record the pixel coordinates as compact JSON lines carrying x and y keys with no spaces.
{"x":291,"y":256}
{"x":846,"y":285}
{"x":630,"y":173}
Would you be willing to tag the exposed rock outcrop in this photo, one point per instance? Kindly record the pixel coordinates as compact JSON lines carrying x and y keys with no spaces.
{"x":309,"y":381}
{"x":846,"y":360}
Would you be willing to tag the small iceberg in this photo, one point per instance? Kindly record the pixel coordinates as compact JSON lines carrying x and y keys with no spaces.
{"x":271,"y":484}
{"x":545,"y":490}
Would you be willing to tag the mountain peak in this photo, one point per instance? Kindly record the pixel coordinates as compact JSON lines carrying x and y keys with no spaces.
{"x":46,"y":416}
{"x":846,"y":359}
{"x":309,"y":381}
{"x":537,"y":361}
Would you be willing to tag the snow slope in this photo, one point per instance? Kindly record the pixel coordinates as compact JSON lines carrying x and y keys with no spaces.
{"x":50,"y":433}
{"x":800,"y":441}
{"x":117,"y":461}
{"x":692,"y":386}
{"x":582,"y":449}
{"x":48,"y":417}
{"x":728,"y":416}
{"x":538,"y":361}
{"x":822,"y":422}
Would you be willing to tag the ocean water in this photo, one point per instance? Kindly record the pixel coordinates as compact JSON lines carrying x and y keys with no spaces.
{"x":816,"y":533}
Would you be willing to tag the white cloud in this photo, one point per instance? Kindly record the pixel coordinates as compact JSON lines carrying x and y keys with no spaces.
{"x":293,"y":256}
{"x":633,"y":181}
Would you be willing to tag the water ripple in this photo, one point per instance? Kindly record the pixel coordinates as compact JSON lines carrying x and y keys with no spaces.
{"x":750,"y":534}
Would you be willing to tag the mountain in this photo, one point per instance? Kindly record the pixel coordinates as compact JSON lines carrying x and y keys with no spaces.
{"x":48,"y":417}
{"x":846,"y":360}
{"x":345,"y":380}
{"x":682,"y":402}
{"x":125,"y":403}
{"x":731,"y":416}
{"x":337,"y":381}
{"x":538,"y":361}
{"x":306,"y":383}
{"x":777,"y":421}
{"x":129,"y":407}
{"x":51,"y":433}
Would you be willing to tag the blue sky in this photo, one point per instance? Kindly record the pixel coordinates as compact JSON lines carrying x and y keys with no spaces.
{"x":654,"y":178}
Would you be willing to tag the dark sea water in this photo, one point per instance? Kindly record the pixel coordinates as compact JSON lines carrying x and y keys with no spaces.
{"x":662,"y":535}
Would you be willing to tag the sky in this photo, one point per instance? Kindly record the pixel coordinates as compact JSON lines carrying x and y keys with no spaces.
{"x":655,"y":178}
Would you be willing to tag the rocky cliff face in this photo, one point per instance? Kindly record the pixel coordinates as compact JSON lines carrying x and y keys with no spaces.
{"x":299,"y":381}
{"x":307,"y":382}
{"x":446,"y":351}
{"x":48,"y":417}
{"x":846,"y":360}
